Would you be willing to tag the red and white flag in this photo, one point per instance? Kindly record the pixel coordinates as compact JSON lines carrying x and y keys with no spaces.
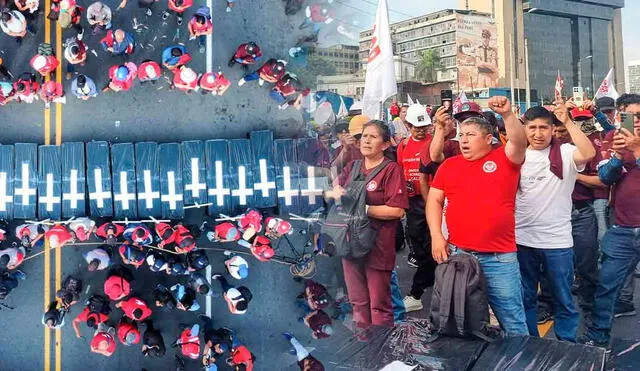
{"x":559,"y":87}
{"x":607,"y":88}
{"x":460,"y":100}
{"x":380,"y":80}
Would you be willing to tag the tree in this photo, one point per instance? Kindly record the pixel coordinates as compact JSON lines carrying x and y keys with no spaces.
{"x":428,"y":66}
{"x":316,"y":66}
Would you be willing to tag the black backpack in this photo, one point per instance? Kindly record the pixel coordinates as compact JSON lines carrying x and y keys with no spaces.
{"x":98,"y":304}
{"x":347,"y":230}
{"x":459,"y":305}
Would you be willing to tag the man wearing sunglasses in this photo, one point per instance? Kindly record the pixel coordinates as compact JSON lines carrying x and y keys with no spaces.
{"x":621,"y":243}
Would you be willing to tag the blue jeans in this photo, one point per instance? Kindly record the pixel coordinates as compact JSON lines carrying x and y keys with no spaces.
{"x":252,"y":76}
{"x":399,"y":310}
{"x":587,"y":253}
{"x":620,"y":250}
{"x":279,"y":98}
{"x":202,"y":40}
{"x":504,"y":290}
{"x":558,"y":268}
{"x":601,"y":207}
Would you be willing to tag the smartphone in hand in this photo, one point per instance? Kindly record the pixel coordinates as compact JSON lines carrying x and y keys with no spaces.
{"x":626,"y":121}
{"x":578,"y":96}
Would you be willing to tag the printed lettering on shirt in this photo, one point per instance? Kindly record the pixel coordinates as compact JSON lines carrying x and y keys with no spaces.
{"x":489,"y":167}
{"x":372,"y":186}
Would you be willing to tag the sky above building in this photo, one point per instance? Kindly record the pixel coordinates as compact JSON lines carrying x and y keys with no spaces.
{"x":403,"y":9}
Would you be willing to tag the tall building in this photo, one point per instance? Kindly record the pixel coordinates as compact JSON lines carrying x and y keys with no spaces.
{"x":468,"y":59}
{"x":580,"y":38}
{"x":343,"y":57}
{"x":634,"y":77}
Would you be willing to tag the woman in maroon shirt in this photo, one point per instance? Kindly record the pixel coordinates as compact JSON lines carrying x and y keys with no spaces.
{"x":368,"y":279}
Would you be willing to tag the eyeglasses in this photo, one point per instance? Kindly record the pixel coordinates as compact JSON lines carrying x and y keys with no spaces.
{"x":635,"y":115}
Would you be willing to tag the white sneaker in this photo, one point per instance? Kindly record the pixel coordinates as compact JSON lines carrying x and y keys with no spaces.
{"x":241,"y":82}
{"x":261,"y":82}
{"x":412,"y":304}
{"x":228,"y":9}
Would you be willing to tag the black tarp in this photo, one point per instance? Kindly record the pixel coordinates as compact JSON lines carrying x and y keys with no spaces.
{"x":264,"y":172}
{"x":218,"y":176}
{"x":49,"y":183}
{"x":148,"y":180}
{"x":124,"y":181}
{"x":171,"y":197}
{"x":6,"y":182}
{"x":99,"y":179}
{"x":25,"y":186}
{"x":194,"y":172}
{"x":287,"y":176}
{"x":73,"y":180}
{"x":241,"y":169}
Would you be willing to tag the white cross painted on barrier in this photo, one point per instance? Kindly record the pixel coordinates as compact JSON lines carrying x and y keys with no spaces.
{"x":264,"y":185}
{"x":172,"y":197}
{"x":4,"y":197}
{"x":287,"y":193}
{"x":220,"y":191}
{"x":124,"y":197}
{"x":25,"y":191}
{"x":149,"y":194}
{"x":195,"y":186}
{"x":73,"y":196}
{"x":311,"y":192}
{"x":242,"y":192}
{"x":99,"y":195}
{"x":49,"y":199}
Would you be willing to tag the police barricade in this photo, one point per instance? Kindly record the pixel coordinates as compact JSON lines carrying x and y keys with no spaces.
{"x":99,"y":179}
{"x":25,"y":185}
{"x":148,"y":180}
{"x":241,"y":169}
{"x":313,"y":181}
{"x":171,"y":197}
{"x":124,"y":181}
{"x":218,"y":176}
{"x":287,"y":176}
{"x":73,"y":180}
{"x":6,"y":182}
{"x":194,"y":172}
{"x":49,"y":187}
{"x":264,"y":172}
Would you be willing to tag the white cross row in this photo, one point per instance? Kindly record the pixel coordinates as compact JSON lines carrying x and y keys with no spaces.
{"x":149,"y":194}
{"x":220,"y":191}
{"x":311,"y":192}
{"x":124,"y":197}
{"x":99,"y":195}
{"x":25,"y":191}
{"x":73,"y":196}
{"x":242,"y":192}
{"x":4,"y":197}
{"x":264,"y":185}
{"x":49,"y":199}
{"x":287,"y":193}
{"x":195,"y":186}
{"x":172,"y":197}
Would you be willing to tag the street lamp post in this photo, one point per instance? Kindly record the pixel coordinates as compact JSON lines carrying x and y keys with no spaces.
{"x":580,"y":68}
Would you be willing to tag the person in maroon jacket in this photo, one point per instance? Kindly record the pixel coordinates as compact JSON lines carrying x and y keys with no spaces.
{"x":285,"y":89}
{"x":271,"y":71}
{"x":246,"y":54}
{"x":110,"y":232}
{"x":368,"y":279}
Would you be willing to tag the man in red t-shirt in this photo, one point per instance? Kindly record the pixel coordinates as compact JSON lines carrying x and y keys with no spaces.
{"x":410,"y":151}
{"x":480,"y":186}
{"x":104,"y":341}
{"x":135,"y":309}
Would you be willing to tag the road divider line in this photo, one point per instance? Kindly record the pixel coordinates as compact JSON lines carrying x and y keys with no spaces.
{"x":47,"y":297}
{"x":210,"y":42}
{"x":47,"y":113}
{"x":208,"y":297}
{"x":59,"y":80}
{"x":58,"y":345}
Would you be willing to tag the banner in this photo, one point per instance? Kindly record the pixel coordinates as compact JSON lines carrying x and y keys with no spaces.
{"x":477,"y":52}
{"x":380,"y":80}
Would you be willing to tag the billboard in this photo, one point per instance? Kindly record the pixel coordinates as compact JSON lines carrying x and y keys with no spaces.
{"x":477,"y":52}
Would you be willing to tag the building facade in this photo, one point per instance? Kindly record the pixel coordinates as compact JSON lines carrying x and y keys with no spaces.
{"x":634,"y":77}
{"x":343,"y":57}
{"x":580,"y":38}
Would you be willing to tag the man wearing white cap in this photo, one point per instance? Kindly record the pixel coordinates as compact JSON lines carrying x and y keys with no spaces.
{"x":237,"y":267}
{"x":185,"y":79}
{"x":410,"y":151}
{"x":149,"y":71}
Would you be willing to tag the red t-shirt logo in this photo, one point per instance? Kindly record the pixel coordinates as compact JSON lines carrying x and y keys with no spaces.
{"x":489,"y":167}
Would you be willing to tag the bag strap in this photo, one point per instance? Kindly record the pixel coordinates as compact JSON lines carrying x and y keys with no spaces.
{"x":460,"y":299}
{"x":445,"y":296}
{"x":377,"y":170}
{"x":355,"y":171}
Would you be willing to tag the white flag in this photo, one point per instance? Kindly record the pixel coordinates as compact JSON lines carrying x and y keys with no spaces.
{"x":342,"y":111}
{"x":409,"y":100}
{"x":380,"y":80}
{"x":607,"y":88}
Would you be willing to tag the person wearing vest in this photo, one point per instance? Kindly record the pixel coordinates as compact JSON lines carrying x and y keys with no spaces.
{"x":410,"y":150}
{"x":271,"y":71}
{"x":620,"y":244}
{"x":104,"y":340}
{"x":109,"y":232}
{"x":200,"y":26}
{"x":543,"y":215}
{"x":121,"y":77}
{"x":213,"y":83}
{"x":480,"y":186}
{"x":92,"y":319}
{"x":368,"y":279}
{"x":127,"y":331}
{"x":75,"y":52}
{"x":118,"y":42}
{"x":149,"y":71}
{"x":135,"y":309}
{"x":178,"y":8}
{"x":52,"y":91}
{"x":185,"y":79}
{"x":246,"y":54}
{"x":138,"y":234}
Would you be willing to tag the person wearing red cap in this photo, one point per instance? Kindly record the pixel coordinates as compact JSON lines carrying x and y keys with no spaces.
{"x":118,"y":284}
{"x":185,"y":79}
{"x":26,"y":88}
{"x":271,"y":71}
{"x":200,"y":26}
{"x":104,"y":341}
{"x":58,"y":236}
{"x":109,"y":232}
{"x":44,"y":64}
{"x":128,"y":332}
{"x":246,"y":54}
{"x":138,"y":234}
{"x":185,"y":242}
{"x":250,"y":223}
{"x":241,"y":356}
{"x":31,"y":235}
{"x":81,"y":228}
{"x":135,"y":309}
{"x":178,"y":8}
{"x":224,"y":232}
{"x":121,"y":77}
{"x":149,"y":71}
{"x":261,"y":249}
{"x":214,"y":83}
